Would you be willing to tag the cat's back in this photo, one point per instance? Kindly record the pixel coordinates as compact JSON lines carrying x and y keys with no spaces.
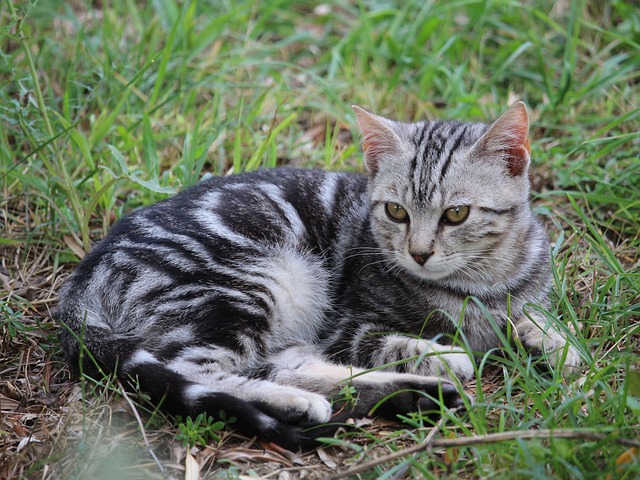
{"x":222,"y":238}
{"x":236,"y":214}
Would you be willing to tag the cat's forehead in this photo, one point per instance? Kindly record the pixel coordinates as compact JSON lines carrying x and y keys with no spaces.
{"x":443,"y":136}
{"x":438,"y":161}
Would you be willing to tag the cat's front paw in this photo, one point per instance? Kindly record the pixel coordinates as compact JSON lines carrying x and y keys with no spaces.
{"x":443,"y":361}
{"x":426,"y":357}
{"x":554,"y":352}
{"x":549,"y":344}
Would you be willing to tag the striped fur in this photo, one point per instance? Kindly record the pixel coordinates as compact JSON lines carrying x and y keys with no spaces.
{"x":261,"y":294}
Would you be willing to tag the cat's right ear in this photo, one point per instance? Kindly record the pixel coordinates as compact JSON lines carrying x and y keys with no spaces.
{"x":378,"y":138}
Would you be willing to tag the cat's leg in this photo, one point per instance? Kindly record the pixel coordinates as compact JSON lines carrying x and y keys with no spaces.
{"x":423,"y":357}
{"x":537,"y":335}
{"x":369,"y":346}
{"x":260,"y":408}
{"x":305,"y":367}
{"x":289,"y":404}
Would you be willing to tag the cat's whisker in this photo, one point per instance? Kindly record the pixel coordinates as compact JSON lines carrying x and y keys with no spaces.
{"x":378,"y":262}
{"x":362,"y":254}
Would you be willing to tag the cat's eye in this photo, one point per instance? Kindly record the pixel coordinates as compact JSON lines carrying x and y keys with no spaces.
{"x":455,"y":215}
{"x":396,"y":212}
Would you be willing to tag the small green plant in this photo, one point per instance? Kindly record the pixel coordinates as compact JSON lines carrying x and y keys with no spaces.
{"x":202,"y":429}
{"x":348,"y":395}
{"x":11,"y":323}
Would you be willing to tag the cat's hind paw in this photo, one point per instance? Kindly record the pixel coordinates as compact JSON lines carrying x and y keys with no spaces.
{"x":391,"y":393}
{"x":427,"y":394}
{"x":451,"y":397}
{"x":295,"y":406}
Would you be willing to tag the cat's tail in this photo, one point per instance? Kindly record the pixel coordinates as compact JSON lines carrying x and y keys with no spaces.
{"x":104,"y":353}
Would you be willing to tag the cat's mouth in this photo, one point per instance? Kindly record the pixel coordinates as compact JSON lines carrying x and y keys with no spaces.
{"x":430,"y":268}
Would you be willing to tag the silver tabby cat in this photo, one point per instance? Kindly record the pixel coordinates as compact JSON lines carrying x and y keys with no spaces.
{"x":263,"y":294}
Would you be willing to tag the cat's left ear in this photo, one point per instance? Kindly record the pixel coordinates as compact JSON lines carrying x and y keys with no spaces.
{"x":508,"y":140}
{"x":378,"y":138}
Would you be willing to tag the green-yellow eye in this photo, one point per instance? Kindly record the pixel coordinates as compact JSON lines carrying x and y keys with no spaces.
{"x":396,"y":212}
{"x":455,"y":215}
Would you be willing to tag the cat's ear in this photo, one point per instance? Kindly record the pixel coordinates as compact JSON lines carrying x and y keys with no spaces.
{"x":378,"y":138}
{"x":508,"y":140}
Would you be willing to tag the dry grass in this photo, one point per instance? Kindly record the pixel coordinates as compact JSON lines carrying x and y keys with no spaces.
{"x":208,"y":103}
{"x":57,"y":428}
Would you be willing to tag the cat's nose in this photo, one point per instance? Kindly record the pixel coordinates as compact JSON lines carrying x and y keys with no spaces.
{"x":421,"y":258}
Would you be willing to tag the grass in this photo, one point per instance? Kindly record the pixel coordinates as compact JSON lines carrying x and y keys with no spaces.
{"x":107,"y":106}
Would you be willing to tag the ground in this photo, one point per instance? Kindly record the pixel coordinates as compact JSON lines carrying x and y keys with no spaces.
{"x":107,"y":106}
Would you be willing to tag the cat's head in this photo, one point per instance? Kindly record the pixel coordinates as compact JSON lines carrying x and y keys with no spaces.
{"x":449,"y":199}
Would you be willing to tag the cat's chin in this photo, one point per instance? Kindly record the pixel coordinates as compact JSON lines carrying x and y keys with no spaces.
{"x":426,"y":273}
{"x":448,"y":279}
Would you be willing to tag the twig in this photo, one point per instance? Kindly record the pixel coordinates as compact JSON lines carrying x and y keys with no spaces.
{"x":295,"y":469}
{"x":484,"y":439}
{"x":144,"y":434}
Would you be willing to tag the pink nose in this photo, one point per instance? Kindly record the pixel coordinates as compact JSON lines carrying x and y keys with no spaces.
{"x":421,"y":258}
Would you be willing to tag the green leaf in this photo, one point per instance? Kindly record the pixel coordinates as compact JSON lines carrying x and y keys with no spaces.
{"x":152,"y":184}
{"x":9,"y":241}
{"x":119,"y":158}
{"x":633,"y":383}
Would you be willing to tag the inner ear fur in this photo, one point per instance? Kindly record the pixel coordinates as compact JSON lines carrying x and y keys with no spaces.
{"x":507,"y":140}
{"x":378,"y":138}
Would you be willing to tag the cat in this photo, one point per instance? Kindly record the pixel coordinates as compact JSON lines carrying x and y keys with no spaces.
{"x":263,"y":294}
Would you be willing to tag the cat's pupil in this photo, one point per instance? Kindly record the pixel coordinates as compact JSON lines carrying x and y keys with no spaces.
{"x":455,"y":215}
{"x":396,"y":212}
